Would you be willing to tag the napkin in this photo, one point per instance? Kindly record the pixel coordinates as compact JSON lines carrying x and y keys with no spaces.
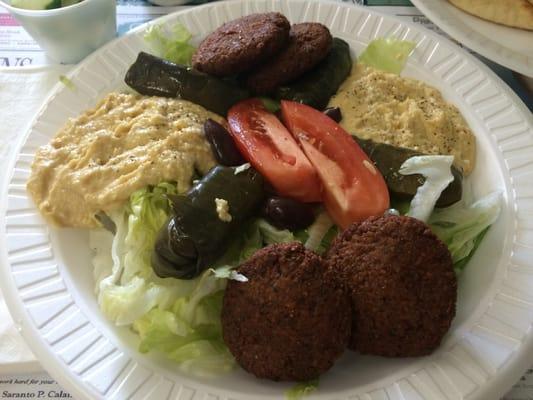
{"x":22,"y":91}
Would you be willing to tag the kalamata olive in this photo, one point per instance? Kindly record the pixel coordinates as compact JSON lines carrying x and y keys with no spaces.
{"x":285,"y":213}
{"x":334,"y":113}
{"x":222,"y":144}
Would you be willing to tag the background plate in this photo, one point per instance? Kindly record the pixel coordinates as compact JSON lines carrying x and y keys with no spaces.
{"x":46,"y":273}
{"x":507,"y":46}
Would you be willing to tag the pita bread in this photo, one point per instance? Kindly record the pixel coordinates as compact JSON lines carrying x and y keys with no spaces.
{"x":515,"y":13}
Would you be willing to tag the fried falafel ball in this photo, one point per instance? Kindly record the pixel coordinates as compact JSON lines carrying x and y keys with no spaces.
{"x":290,"y":320}
{"x":309,"y":43}
{"x":402,"y":285}
{"x":242,"y":43}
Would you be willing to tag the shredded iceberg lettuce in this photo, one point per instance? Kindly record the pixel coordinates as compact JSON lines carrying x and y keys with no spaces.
{"x":227,"y":272}
{"x":130,"y":288}
{"x":320,"y":233}
{"x":190,"y":331}
{"x":171,"y":43}
{"x":272,"y":235}
{"x":242,"y":168}
{"x":462,"y":227}
{"x":316,"y":237}
{"x":387,"y":54}
{"x":255,"y":235}
{"x":438,"y":174}
{"x":301,"y":390}
{"x":270,"y":104}
{"x":180,"y":318}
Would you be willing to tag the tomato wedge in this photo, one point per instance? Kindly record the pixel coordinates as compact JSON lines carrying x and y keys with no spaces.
{"x":266,"y":144}
{"x":353,"y":188}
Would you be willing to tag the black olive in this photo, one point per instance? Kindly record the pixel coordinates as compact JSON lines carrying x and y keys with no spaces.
{"x":222,"y":144}
{"x":334,"y":113}
{"x":285,"y":213}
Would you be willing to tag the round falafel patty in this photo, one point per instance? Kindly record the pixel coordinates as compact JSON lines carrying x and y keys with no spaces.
{"x":242,"y":43}
{"x":309,"y":43}
{"x":402,"y":285}
{"x":290,"y":321}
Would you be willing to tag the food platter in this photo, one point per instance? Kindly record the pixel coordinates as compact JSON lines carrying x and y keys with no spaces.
{"x":507,"y":46}
{"x":47,"y":275}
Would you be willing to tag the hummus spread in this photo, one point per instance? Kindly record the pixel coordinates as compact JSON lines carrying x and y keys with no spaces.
{"x":125,"y":143}
{"x":403,"y":112}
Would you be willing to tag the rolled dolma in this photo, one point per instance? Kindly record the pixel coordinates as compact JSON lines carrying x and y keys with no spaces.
{"x":388,"y":159}
{"x":195,"y":236}
{"x":153,"y":76}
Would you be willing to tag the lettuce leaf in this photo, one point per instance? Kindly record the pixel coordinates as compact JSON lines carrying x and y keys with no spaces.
{"x":179,"y":318}
{"x":256,"y":234}
{"x":190,"y":332}
{"x":126,"y":286}
{"x":301,"y":390}
{"x":387,"y":54}
{"x":227,"y":272}
{"x":147,"y":212}
{"x":272,"y":235}
{"x":438,"y":174}
{"x":172,"y":43}
{"x":245,"y":244}
{"x":270,"y":104}
{"x":320,"y":233}
{"x":462,"y":228}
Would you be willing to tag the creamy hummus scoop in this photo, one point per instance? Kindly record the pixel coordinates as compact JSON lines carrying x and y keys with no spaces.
{"x":403,"y":112}
{"x":125,"y":143}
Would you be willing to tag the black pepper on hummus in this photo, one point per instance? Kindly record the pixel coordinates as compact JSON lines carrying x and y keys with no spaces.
{"x":125,"y":143}
{"x":403,"y":112}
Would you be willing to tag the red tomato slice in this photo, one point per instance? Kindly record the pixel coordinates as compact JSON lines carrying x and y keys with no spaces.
{"x":269,"y":147}
{"x":353,"y":188}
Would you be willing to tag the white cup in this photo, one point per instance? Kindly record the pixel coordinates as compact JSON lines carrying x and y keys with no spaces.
{"x":68,"y":34}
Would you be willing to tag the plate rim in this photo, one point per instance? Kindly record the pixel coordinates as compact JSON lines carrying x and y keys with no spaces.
{"x":461,"y":34}
{"x":54,"y":365}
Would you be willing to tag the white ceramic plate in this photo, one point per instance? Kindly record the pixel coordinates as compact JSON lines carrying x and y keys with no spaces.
{"x":47,"y":275}
{"x":507,"y":46}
